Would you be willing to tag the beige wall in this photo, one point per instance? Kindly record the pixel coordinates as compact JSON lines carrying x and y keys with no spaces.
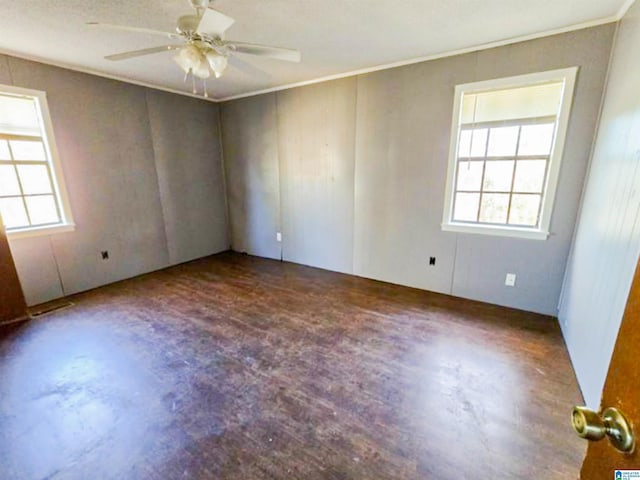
{"x":351,"y":171}
{"x":252,"y":163}
{"x":144,"y":177}
{"x":354,"y":174}
{"x":316,"y":148}
{"x":607,"y":244}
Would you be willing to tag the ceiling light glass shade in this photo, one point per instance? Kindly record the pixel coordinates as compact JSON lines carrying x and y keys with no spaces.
{"x":217,"y":62}
{"x":191,"y":59}
{"x":187,"y":58}
{"x":202,"y":69}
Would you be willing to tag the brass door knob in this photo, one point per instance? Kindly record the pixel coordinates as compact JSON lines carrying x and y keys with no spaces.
{"x":591,"y":426}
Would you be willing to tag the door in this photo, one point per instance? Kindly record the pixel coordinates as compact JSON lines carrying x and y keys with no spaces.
{"x":621,"y":391}
{"x":12,"y":304}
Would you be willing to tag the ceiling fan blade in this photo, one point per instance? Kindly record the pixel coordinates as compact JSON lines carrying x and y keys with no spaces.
{"x":247,"y":68}
{"x":133,"y":29}
{"x":214,"y":23}
{"x":139,"y":53}
{"x":287,"y":54}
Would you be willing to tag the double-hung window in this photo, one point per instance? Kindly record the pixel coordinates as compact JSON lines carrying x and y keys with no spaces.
{"x":506,"y":148}
{"x":32,"y":195}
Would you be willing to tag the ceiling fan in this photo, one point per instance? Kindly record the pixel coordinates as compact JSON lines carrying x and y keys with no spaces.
{"x":204,"y":49}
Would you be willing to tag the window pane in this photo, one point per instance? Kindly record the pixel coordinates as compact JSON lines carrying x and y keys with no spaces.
{"x":479,"y":142}
{"x":27,"y":150}
{"x":34,"y":179}
{"x":4,"y":150}
{"x":468,"y":108}
{"x":512,"y":103}
{"x":469,"y":175}
{"x":464,"y":146}
{"x":466,"y":208}
{"x":8,"y":181}
{"x":503,"y":141}
{"x":524,"y":210}
{"x":536,"y":139}
{"x":13,"y":212}
{"x":494,"y":207}
{"x":473,"y":143}
{"x":529,"y":176}
{"x":18,"y":115}
{"x":497,"y":176}
{"x":42,"y":209}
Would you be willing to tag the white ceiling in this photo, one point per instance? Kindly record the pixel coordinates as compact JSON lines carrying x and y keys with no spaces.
{"x":335,"y":36}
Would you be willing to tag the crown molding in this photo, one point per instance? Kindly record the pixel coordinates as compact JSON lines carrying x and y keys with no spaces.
{"x":98,"y":73}
{"x":450,"y":53}
{"x":624,"y":9}
{"x":213,"y":99}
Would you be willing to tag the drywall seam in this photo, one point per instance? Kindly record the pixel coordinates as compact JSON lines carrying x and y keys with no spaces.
{"x":355,"y":176}
{"x":453,"y":267}
{"x":224,"y":179}
{"x":279,"y":177}
{"x":280,"y":182}
{"x":55,"y":261}
{"x":155,"y":169}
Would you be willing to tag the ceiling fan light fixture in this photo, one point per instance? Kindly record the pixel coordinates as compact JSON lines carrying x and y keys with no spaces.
{"x":203,"y":50}
{"x":202,"y":70}
{"x":217,"y":62}
{"x":191,"y":60}
{"x":187,"y":58}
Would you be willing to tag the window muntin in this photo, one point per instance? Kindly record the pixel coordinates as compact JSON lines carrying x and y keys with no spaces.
{"x":507,"y":140}
{"x":31,"y":188}
{"x":506,"y":172}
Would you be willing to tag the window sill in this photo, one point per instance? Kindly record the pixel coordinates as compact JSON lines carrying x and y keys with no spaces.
{"x":514,"y":232}
{"x":40,"y":231}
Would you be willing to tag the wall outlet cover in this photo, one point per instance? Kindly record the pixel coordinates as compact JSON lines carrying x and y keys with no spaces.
{"x":510,"y":280}
{"x":278,"y":236}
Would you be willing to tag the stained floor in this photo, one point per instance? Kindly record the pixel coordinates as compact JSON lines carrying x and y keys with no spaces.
{"x":234,"y":367}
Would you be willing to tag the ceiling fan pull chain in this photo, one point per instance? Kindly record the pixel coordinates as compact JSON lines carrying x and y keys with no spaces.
{"x":204,"y":86}
{"x":193,"y":83}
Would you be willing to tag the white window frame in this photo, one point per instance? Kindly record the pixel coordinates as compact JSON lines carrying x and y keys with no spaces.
{"x":568,"y":76}
{"x":48,"y":139}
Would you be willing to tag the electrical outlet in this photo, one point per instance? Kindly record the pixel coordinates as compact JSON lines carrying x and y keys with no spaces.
{"x":105,"y":254}
{"x":278,"y":236}
{"x":510,"y":280}
{"x":432,"y":260}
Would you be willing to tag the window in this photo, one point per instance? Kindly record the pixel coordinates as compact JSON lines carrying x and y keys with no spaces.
{"x":32,"y":195}
{"x":506,"y":149}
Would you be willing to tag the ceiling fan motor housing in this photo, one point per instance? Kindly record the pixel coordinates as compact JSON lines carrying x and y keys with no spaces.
{"x":188,"y":24}
{"x":200,"y":3}
{"x":204,"y":50}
